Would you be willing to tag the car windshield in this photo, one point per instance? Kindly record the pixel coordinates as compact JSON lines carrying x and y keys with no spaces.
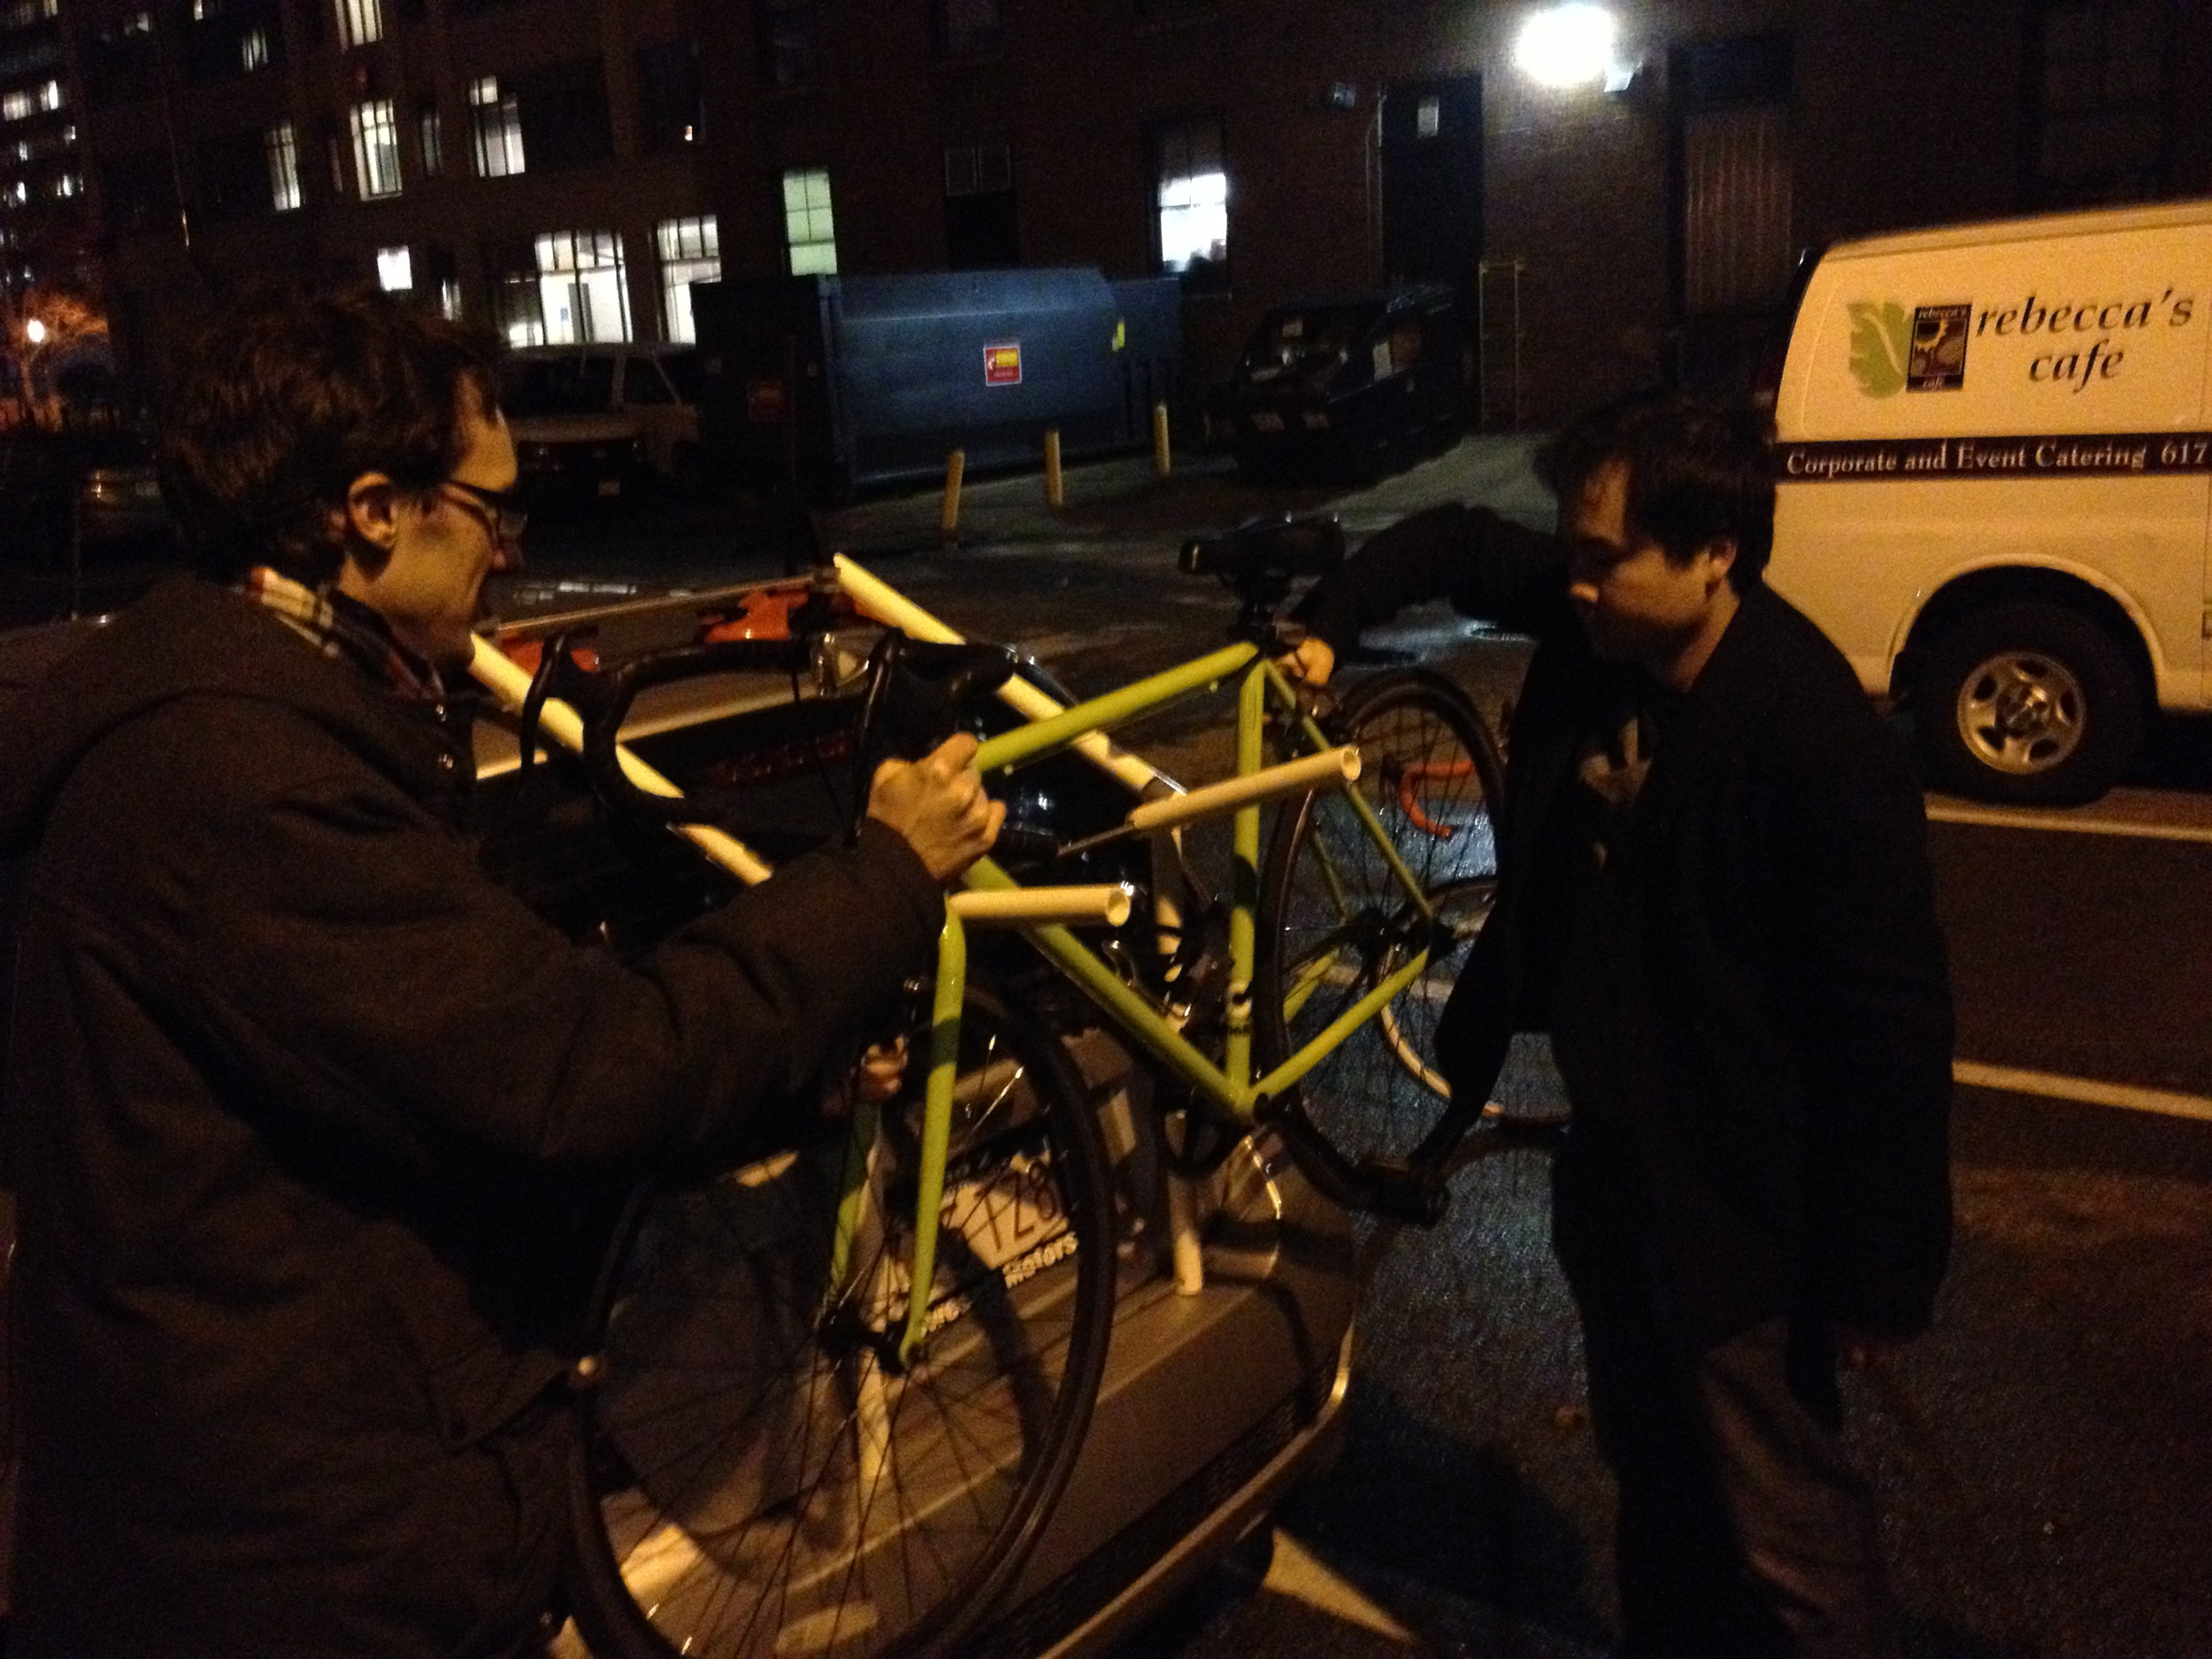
{"x":556,"y":386}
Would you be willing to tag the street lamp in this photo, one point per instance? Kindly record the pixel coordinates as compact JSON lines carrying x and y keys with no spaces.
{"x":35,"y":331}
{"x":1567,"y":45}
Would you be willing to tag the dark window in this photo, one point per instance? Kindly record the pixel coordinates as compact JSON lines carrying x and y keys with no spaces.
{"x":140,"y":194}
{"x":121,"y":61}
{"x":2098,"y":99}
{"x":1191,"y":196}
{"x":669,"y":96}
{"x":981,"y":229}
{"x":789,"y":34}
{"x":564,"y":116}
{"x":234,"y":175}
{"x":234,"y":38}
{"x":965,"y":25}
{"x":1165,"y":10}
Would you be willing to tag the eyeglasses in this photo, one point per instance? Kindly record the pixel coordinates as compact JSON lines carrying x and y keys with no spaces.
{"x":495,"y":509}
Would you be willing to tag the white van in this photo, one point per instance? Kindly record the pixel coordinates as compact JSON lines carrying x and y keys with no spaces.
{"x":625,"y":390}
{"x":1996,"y":470}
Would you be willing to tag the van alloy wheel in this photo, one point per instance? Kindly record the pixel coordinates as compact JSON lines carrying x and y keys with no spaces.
{"x":2030,"y":703}
{"x":2021,"y":711}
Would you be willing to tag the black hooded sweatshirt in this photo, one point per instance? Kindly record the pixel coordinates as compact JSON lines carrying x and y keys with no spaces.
{"x":297,"y":1104}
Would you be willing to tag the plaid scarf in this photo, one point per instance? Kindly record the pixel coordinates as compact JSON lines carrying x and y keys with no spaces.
{"x":348,"y":630}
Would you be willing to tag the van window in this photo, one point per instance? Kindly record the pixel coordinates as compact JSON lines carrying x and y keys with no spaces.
{"x":598,"y":380}
{"x":687,"y":372}
{"x":556,"y":386}
{"x":642,"y":383}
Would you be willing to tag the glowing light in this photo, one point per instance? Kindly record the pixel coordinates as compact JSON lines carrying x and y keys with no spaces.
{"x":1566,"y":46}
{"x":35,"y":331}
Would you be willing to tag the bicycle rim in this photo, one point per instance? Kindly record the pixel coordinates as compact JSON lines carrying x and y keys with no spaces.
{"x":1336,"y":920}
{"x":755,"y":1479}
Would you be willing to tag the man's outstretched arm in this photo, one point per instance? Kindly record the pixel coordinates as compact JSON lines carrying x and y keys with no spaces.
{"x":1487,"y":566}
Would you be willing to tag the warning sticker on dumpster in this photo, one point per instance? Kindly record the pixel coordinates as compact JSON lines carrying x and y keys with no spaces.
{"x":1002,"y":363}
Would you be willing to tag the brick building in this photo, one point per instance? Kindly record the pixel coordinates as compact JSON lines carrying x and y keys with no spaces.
{"x":562,"y":168}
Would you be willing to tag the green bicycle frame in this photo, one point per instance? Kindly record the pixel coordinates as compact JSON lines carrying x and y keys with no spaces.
{"x":1228,"y":1088}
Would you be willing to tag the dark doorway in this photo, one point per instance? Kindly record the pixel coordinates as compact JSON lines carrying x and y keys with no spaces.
{"x":980,"y":230}
{"x":1432,"y":179}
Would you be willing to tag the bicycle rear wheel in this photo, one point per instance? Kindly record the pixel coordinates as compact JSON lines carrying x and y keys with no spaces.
{"x":757,"y":1474}
{"x":1335,"y":919}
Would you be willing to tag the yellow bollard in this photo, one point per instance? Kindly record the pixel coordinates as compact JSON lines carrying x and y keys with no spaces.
{"x":948,"y":521}
{"x":1056,"y":486}
{"x":1163,"y":463}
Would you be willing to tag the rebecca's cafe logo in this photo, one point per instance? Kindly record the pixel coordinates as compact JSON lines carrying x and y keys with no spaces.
{"x":1891,"y":352}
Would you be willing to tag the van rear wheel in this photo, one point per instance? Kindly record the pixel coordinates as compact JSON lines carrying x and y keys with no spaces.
{"x":2030,"y":703}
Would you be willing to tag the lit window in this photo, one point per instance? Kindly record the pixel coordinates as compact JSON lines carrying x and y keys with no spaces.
{"x":450,"y":298}
{"x":375,"y":149}
{"x":582,"y":294}
{"x":253,"y":50}
{"x":49,"y":95}
{"x":1193,"y":198}
{"x":395,"y":270}
{"x":139,"y":23}
{"x":284,"y":167}
{"x":360,"y":21}
{"x":495,"y":129}
{"x":16,"y":106}
{"x":809,"y":230}
{"x":690,"y":251}
{"x":68,"y":184}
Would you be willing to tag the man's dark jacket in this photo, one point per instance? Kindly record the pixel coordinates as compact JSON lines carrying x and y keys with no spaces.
{"x":1791,"y":1105}
{"x":296,"y":1099}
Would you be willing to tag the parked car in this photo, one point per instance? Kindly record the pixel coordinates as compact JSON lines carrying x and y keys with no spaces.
{"x":647,"y":392}
{"x":1359,"y":387}
{"x":573,"y":448}
{"x":1215,"y":1400}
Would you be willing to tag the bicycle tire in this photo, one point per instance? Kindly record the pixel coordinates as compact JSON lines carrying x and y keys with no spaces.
{"x":1334,"y":920}
{"x":719,"y":1506}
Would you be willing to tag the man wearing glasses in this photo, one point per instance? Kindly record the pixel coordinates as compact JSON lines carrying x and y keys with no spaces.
{"x":301,"y":1107}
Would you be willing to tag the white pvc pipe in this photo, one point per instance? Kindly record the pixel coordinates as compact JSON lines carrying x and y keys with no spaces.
{"x":507,"y":681}
{"x":1292,"y":777}
{"x":879,"y":599}
{"x":1030,"y":907}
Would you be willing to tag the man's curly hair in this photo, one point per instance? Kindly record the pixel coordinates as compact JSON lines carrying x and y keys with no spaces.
{"x":1698,"y":472}
{"x":289,"y":397}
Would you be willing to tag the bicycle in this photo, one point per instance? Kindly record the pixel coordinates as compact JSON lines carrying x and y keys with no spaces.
{"x":831,"y":1396}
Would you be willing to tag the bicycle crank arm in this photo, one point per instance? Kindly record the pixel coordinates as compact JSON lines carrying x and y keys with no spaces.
{"x":1412,"y":1193}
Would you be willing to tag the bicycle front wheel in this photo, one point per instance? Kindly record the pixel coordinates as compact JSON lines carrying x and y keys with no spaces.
{"x":759,"y":1474}
{"x":1336,"y":918}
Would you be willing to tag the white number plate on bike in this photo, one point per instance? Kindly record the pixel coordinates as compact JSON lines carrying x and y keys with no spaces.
{"x":1005,"y":1211}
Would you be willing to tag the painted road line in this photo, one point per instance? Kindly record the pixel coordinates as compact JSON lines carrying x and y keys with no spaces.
{"x":1295,"y":1571}
{"x":2123,"y":812}
{"x":2089,"y":1091}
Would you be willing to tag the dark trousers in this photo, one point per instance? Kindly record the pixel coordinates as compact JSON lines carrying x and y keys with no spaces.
{"x":1744,"y":1531}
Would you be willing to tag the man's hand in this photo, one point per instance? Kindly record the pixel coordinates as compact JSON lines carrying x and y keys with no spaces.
{"x":938,"y":803}
{"x":1311,"y":663}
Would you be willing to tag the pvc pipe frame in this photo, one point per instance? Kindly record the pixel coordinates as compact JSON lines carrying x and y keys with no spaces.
{"x":1103,"y":902}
